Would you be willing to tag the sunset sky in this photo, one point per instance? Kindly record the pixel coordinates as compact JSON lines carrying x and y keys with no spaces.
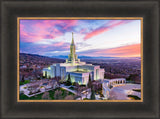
{"x":108,"y":38}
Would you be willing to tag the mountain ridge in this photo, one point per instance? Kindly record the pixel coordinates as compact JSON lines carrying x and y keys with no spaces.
{"x":80,"y":57}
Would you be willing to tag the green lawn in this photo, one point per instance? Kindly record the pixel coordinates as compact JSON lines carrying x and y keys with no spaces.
{"x":25,"y":82}
{"x":37,"y":97}
{"x":51,"y":94}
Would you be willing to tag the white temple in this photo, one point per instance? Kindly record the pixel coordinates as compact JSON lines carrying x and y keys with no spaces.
{"x":79,"y":71}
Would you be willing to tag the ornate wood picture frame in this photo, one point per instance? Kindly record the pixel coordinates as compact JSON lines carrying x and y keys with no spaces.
{"x":11,"y":10}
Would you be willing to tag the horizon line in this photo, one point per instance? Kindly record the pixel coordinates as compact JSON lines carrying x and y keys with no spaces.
{"x":79,"y":56}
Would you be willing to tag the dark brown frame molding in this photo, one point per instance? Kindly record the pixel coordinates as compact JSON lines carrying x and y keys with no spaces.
{"x":11,"y":9}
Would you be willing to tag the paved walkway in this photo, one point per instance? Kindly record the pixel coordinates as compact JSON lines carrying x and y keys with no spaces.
{"x":38,"y":92}
{"x":72,"y":91}
{"x":122,"y":92}
{"x":88,"y":95}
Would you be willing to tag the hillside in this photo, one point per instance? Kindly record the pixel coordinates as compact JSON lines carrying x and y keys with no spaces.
{"x":37,"y":59}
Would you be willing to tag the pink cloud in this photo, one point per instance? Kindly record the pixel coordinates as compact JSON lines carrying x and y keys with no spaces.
{"x":70,"y":23}
{"x":59,"y":43}
{"x":28,"y":36}
{"x":36,"y":30}
{"x":83,"y":30}
{"x":110,"y":25}
{"x":123,"y":51}
{"x":95,"y":32}
{"x":35,"y":35}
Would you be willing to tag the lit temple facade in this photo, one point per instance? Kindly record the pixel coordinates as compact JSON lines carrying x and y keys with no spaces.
{"x":79,"y":71}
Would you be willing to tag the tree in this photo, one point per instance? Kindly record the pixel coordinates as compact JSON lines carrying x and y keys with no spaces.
{"x":93,"y":95}
{"x":110,"y":70}
{"x":22,"y":78}
{"x":89,"y":82}
{"x":68,"y":83}
{"x":134,"y":78}
{"x":58,"y":94}
{"x":92,"y":92}
{"x":65,"y":93}
{"x":77,"y":88}
{"x":46,"y":96}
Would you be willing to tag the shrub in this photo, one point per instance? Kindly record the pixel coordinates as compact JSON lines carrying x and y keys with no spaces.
{"x":69,"y":97}
{"x":134,"y":97}
{"x":58,"y":94}
{"x":85,"y":99}
{"x":25,"y":82}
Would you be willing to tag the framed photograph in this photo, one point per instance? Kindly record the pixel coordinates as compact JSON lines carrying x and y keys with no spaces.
{"x":58,"y":59}
{"x":80,"y":59}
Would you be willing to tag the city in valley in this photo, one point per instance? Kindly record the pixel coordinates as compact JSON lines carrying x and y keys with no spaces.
{"x":76,"y":77}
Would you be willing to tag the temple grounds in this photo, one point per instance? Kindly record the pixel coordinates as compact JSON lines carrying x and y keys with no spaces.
{"x":126,"y":92}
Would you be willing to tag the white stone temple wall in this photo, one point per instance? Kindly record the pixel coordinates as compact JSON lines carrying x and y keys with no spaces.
{"x":58,"y":70}
{"x":63,"y":73}
{"x":53,"y":68}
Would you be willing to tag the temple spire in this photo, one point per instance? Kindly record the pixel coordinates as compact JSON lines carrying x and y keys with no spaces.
{"x":72,"y":38}
{"x":72,"y":57}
